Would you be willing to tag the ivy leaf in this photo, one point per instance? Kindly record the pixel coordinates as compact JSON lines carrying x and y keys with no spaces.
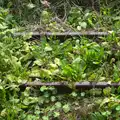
{"x":74,"y":94}
{"x":107,"y":113}
{"x":53,"y":99}
{"x":82,"y":94}
{"x":83,"y":24}
{"x":107,"y":91}
{"x":46,"y":95}
{"x":58,"y":105}
{"x":66,"y":108}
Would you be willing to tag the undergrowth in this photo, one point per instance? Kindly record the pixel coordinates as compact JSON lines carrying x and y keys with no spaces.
{"x":73,"y":59}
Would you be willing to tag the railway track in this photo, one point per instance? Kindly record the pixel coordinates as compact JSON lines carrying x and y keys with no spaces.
{"x":77,"y":85}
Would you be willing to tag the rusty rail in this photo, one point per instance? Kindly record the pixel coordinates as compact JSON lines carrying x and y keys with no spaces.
{"x":87,"y":33}
{"x":77,"y":84}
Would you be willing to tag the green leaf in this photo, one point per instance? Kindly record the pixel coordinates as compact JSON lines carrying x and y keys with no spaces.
{"x":66,"y":108}
{"x":79,"y":28}
{"x":48,"y":49}
{"x":3,"y":26}
{"x":56,"y":114}
{"x":43,"y":88}
{"x":45,"y":13}
{"x":26,"y":101}
{"x":1,"y":87}
{"x":38,"y":62}
{"x":31,"y":5}
{"x":3,"y":113}
{"x":118,"y":108}
{"x":58,"y":105}
{"x":53,"y":65}
{"x":76,"y":60}
{"x":106,"y":100}
{"x":116,"y":18}
{"x":107,"y":113}
{"x":83,"y":24}
{"x":57,"y":61}
{"x":53,"y":98}
{"x":118,"y":90}
{"x":27,"y":36}
{"x":45,"y":118}
{"x":82,"y":94}
{"x":107,"y":91}
{"x":74,"y":94}
{"x":35,"y":72}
